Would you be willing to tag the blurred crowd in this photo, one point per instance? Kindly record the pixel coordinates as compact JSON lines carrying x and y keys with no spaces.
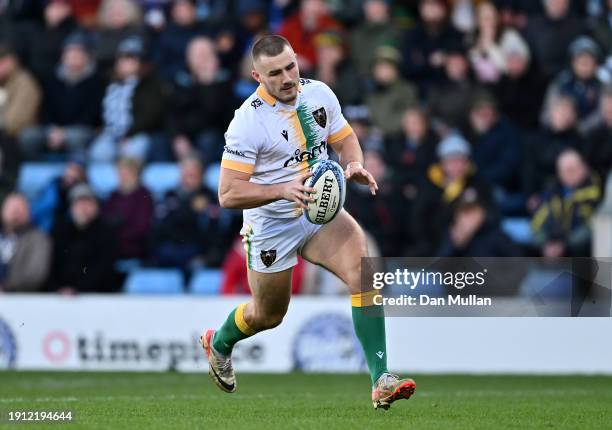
{"x":487,"y":124}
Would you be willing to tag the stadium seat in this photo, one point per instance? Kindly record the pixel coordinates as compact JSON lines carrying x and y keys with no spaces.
{"x":33,"y":177}
{"x":160,"y":178}
{"x":206,"y":281}
{"x":154,"y":281}
{"x":103,"y":178}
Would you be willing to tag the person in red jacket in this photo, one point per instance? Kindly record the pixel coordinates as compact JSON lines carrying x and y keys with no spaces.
{"x":301,"y":28}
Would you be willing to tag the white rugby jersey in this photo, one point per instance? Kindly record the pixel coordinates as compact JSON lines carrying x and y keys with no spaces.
{"x":275,"y":142}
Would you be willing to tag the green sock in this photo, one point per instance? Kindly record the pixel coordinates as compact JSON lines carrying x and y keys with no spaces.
{"x":369,"y":323}
{"x":233,"y":330}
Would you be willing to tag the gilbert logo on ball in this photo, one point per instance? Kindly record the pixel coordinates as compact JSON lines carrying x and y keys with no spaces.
{"x":328,"y":181}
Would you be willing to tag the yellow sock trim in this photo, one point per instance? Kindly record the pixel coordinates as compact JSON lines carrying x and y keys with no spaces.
{"x":241,"y":323}
{"x":360,"y":300}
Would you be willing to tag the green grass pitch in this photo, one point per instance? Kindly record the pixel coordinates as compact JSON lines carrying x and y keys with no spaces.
{"x":299,"y":401}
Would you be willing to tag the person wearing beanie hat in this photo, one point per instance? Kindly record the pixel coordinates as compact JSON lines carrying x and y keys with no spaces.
{"x":580,"y":82}
{"x":445,"y":183}
{"x":71,"y":104}
{"x":132,"y":107}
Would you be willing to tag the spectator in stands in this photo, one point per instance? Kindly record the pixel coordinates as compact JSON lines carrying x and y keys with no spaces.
{"x":411,"y":152}
{"x":520,"y":77}
{"x":497,"y":151}
{"x":487,"y":54}
{"x":51,"y":206}
{"x":25,"y":251}
{"x":390,"y":94}
{"x":376,"y":30}
{"x":129,"y":209}
{"x":201,"y":104}
{"x":475,"y":232}
{"x":580,"y":81}
{"x":601,"y":28}
{"x":444,"y":184}
{"x":550,"y":34}
{"x":84,"y":248}
{"x":7,"y":30}
{"x":424,"y":48}
{"x":562,"y":224}
{"x":384,"y":215}
{"x":45,"y":40}
{"x":117,"y":20}
{"x":132,"y":107}
{"x":190,"y":228}
{"x":71,"y":104}
{"x":336,"y":70}
{"x":450,"y":100}
{"x":171,"y":47}
{"x":20,"y":98}
{"x":544,"y":148}
{"x":302,"y":27}
{"x":598,"y":145}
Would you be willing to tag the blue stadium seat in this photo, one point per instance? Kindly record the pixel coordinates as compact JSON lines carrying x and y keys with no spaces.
{"x":161,"y":177}
{"x":33,"y":177}
{"x":154,"y":281}
{"x":211,"y":176}
{"x":206,"y":281}
{"x":103,"y":178}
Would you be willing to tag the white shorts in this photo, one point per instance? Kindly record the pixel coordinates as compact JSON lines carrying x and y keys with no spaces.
{"x":272,"y":244}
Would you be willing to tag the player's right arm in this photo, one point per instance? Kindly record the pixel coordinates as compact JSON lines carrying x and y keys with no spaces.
{"x":236,"y":192}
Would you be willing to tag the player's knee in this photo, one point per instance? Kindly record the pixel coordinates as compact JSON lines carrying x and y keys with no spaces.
{"x":267,"y":320}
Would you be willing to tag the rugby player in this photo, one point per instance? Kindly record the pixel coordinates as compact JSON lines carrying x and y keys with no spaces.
{"x":284,"y":127}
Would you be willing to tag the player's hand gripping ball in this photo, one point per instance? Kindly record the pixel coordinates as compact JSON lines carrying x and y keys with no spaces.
{"x":330,"y":189}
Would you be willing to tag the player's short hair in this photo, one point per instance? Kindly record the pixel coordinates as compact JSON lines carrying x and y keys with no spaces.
{"x":270,"y":45}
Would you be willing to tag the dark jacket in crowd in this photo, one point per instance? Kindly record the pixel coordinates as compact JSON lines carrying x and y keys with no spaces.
{"x":72,"y":103}
{"x":171,"y":46}
{"x":523,"y":111}
{"x":195,"y":107}
{"x":147,"y":105}
{"x":408,"y":160}
{"x":416,"y":47}
{"x":565,"y":215}
{"x":585,"y":94}
{"x":188,"y":226}
{"x":598,"y":149}
{"x":541,"y":152}
{"x":549,"y":40}
{"x":84,"y":259}
{"x":488,"y":241}
{"x":9,"y":165}
{"x":497,"y":154}
{"x":384,"y":216}
{"x":450,"y":102}
{"x":43,"y":48}
{"x":434,"y":206}
{"x":132,"y":217}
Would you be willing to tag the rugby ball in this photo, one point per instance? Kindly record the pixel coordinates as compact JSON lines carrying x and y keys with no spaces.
{"x":328,"y":181}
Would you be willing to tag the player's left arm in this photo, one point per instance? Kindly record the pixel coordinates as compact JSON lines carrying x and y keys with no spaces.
{"x":351,"y":159}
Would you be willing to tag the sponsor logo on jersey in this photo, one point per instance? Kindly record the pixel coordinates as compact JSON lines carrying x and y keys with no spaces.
{"x":233,"y":151}
{"x":256,"y":103}
{"x":304,"y":81}
{"x":268,"y":257}
{"x":320,"y":117}
{"x":299,"y":156}
{"x":285,"y":134}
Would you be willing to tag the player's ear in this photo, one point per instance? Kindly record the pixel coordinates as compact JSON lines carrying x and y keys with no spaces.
{"x":256,"y":75}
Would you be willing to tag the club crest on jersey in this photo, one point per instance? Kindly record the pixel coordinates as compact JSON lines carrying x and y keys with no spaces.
{"x":268,"y":257}
{"x":320,"y":116}
{"x":299,"y":156}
